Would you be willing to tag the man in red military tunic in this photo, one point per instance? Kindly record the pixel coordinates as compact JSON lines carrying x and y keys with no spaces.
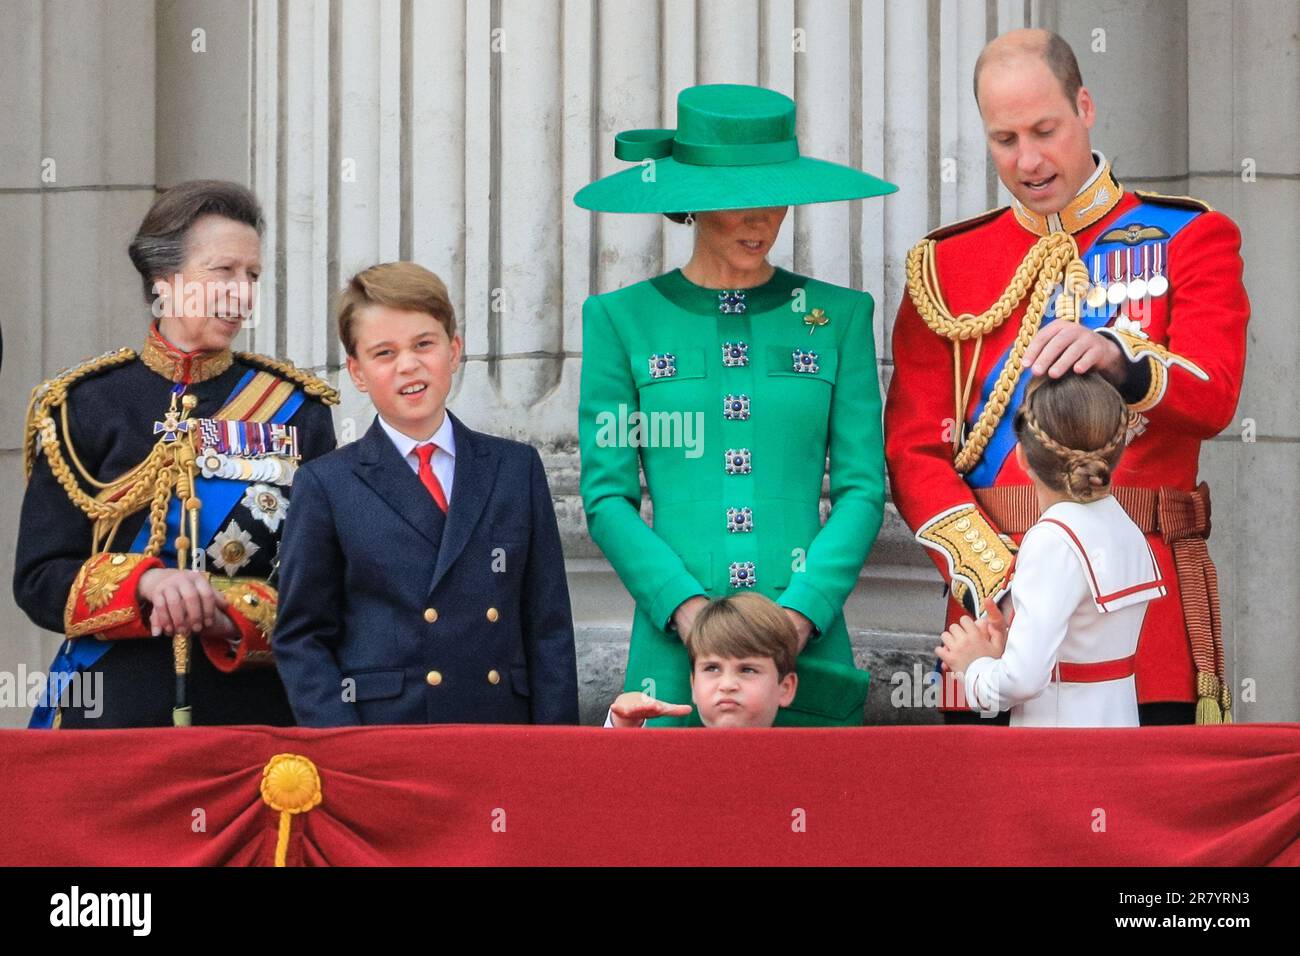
{"x":1078,"y":273}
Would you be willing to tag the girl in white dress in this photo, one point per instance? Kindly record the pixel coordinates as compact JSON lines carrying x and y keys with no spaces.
{"x":1083,"y":577}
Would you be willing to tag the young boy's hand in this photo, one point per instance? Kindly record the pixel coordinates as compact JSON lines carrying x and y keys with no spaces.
{"x":967,"y":641}
{"x":633,"y":708}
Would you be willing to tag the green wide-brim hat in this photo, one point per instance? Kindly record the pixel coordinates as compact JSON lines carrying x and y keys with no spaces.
{"x":734,"y":148}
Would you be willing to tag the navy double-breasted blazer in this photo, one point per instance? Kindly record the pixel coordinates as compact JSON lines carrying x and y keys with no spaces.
{"x":392,"y":613}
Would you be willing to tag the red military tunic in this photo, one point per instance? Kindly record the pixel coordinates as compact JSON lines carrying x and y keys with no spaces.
{"x":1187,"y":350}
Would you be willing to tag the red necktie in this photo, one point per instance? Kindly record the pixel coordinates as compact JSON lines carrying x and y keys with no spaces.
{"x":425,"y":452}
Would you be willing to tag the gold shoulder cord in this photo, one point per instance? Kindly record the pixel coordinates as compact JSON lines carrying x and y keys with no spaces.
{"x":1053,"y":260}
{"x":54,"y":392}
{"x":150,"y":482}
{"x":311,"y":384}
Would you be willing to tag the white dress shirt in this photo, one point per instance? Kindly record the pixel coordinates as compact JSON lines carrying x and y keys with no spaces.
{"x":443,"y":462}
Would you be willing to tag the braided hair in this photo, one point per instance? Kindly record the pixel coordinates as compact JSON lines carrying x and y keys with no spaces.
{"x":1073,"y":430}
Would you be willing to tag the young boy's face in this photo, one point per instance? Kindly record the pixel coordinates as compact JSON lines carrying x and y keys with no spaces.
{"x":739,"y":691}
{"x":404,"y":362}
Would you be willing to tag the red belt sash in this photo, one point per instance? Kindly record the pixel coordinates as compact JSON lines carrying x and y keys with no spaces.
{"x":1095,"y":672}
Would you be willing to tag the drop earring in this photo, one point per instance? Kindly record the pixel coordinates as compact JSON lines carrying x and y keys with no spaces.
{"x":690,"y":219}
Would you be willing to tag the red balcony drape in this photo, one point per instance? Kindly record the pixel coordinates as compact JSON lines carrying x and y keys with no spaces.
{"x":465,"y":795}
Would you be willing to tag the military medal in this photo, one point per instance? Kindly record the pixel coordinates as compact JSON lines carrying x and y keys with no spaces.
{"x":1097,"y":292}
{"x":266,"y":504}
{"x":1116,"y":291}
{"x":284,"y":440}
{"x":254,"y":451}
{"x":169,"y":427}
{"x":1137,"y":287}
{"x":232,"y":549}
{"x":173,"y":423}
{"x":1158,"y":285}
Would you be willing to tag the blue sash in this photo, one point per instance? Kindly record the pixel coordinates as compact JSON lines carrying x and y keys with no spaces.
{"x":1170,"y":219}
{"x":219,"y":497}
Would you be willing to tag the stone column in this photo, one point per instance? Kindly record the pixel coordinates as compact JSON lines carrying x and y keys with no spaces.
{"x":76,"y":176}
{"x":1243,"y":115}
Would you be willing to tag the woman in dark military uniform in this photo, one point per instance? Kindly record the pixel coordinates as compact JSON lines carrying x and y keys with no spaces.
{"x":182,"y":454}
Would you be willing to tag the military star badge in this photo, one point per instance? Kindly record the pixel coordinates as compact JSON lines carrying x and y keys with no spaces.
{"x":266,"y":504}
{"x":170,"y":426}
{"x":232,"y":549}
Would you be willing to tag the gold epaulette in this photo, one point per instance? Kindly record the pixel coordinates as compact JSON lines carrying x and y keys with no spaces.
{"x":311,"y":384}
{"x":1182,"y":202}
{"x":963,"y":225}
{"x":53,"y":392}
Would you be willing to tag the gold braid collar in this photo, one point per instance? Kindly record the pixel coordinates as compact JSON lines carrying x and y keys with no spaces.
{"x":1052,"y":261}
{"x":176,"y":365}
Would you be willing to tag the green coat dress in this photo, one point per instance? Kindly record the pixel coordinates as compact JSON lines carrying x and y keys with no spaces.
{"x":741,"y":400}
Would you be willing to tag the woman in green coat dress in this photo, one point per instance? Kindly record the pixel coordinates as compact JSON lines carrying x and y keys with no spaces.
{"x":731,"y":380}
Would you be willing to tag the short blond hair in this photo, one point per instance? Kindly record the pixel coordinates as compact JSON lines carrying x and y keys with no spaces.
{"x":744,"y":625}
{"x":397,"y":285}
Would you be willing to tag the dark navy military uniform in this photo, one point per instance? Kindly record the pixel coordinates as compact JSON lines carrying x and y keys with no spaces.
{"x":110,"y":416}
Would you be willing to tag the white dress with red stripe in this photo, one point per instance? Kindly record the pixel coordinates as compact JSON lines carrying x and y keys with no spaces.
{"x":1084,"y":578}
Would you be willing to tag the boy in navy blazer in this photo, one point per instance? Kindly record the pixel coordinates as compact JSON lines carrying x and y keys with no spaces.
{"x":421,"y":575}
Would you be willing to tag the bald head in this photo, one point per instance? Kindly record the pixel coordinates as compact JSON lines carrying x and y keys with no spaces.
{"x":1043,"y":45}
